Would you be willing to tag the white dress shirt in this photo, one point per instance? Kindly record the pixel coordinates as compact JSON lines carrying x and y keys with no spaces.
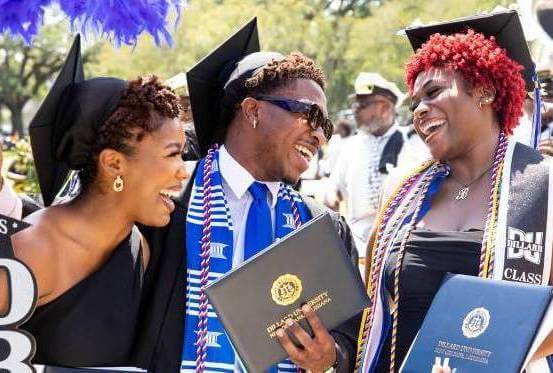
{"x":236,"y":181}
{"x":10,"y":203}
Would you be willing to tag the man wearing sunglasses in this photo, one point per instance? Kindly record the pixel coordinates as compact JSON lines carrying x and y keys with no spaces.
{"x":259,"y":118}
{"x":365,"y":157}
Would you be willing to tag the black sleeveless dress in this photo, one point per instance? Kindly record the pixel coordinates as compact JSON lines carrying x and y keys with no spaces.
{"x":94,"y":322}
{"x":428,"y":257}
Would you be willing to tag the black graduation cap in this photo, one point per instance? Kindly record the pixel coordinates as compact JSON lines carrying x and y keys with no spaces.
{"x":50,"y":173}
{"x":216,"y":83}
{"x":504,"y":26}
{"x":64,"y":128}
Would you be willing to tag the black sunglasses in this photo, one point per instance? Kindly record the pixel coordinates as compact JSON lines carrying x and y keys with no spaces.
{"x":314,"y":114}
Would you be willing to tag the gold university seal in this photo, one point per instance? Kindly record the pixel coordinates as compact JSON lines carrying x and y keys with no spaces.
{"x":286,"y":289}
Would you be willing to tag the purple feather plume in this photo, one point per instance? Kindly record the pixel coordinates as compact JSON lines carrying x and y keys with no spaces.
{"x":22,"y":18}
{"x":122,"y":20}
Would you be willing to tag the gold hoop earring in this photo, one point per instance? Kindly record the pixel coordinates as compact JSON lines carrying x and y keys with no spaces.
{"x":118,"y":184}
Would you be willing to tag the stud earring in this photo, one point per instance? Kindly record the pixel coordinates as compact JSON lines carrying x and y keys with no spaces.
{"x":254,"y":123}
{"x":118,"y":184}
{"x":485,"y":101}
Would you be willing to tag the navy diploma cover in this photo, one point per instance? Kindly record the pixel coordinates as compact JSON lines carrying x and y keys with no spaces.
{"x":481,"y":325}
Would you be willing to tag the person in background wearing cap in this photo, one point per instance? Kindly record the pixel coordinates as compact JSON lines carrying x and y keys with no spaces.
{"x":365,"y":157}
{"x":453,"y":213}
{"x":86,"y":255}
{"x":259,"y":117}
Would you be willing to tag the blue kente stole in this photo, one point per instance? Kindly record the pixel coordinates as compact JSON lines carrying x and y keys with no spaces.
{"x":218,"y":353}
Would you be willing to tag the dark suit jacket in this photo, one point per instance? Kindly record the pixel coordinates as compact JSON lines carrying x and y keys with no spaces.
{"x":160,"y":335}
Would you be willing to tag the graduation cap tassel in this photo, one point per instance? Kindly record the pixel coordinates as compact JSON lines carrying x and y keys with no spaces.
{"x":22,"y":18}
{"x":536,"y":117}
{"x":122,"y":20}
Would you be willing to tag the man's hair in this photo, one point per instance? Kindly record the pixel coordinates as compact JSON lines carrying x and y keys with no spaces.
{"x":278,"y":73}
{"x":482,"y":62}
{"x":274,"y":75}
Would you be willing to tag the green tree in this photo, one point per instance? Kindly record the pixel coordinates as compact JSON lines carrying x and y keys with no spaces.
{"x":26,"y":69}
{"x":318,"y":28}
{"x":382,"y":34}
{"x":344,"y":36}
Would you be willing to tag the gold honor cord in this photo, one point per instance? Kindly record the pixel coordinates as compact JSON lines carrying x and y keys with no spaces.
{"x":486,"y":257}
{"x":399,"y":261}
{"x":491,"y":227}
{"x":374,"y":269}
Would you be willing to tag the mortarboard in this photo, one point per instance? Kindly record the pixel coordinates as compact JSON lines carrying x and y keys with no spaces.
{"x":64,"y":129}
{"x":504,"y":26}
{"x":217,"y":83}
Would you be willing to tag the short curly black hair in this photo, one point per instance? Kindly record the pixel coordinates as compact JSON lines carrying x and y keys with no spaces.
{"x":142,"y":109}
{"x":278,"y":73}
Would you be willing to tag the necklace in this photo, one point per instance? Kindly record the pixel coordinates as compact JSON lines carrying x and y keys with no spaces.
{"x":463,"y":192}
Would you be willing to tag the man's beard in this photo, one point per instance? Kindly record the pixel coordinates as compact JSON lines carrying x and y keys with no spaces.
{"x":374,"y":127}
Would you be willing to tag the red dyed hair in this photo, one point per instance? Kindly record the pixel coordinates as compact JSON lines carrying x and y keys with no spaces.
{"x":482,"y":62}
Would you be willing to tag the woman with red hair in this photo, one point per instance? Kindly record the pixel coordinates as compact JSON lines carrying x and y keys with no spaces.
{"x":467,"y":81}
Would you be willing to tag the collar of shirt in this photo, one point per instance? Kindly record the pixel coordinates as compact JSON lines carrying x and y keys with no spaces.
{"x":239,"y":179}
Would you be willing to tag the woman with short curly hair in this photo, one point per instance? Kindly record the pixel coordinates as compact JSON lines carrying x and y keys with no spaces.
{"x":453,"y":212}
{"x":125,"y":139}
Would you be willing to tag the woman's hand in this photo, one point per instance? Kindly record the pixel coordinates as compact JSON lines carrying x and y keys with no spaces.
{"x":545,"y":147}
{"x":438,"y":367}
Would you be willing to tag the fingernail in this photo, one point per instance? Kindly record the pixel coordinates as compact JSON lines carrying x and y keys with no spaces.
{"x":289,"y":322}
{"x":306,"y":308}
{"x":280,"y":333}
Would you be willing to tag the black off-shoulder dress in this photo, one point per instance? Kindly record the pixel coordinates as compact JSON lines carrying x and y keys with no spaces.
{"x":429,"y":255}
{"x":93,"y":323}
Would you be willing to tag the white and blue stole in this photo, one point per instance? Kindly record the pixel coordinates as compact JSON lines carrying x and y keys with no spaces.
{"x":214,"y":228}
{"x":523,"y":238}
